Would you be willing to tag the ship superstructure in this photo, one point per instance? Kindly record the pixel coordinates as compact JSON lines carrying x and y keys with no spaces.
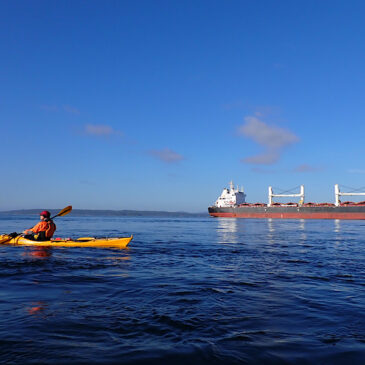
{"x":231,"y":197}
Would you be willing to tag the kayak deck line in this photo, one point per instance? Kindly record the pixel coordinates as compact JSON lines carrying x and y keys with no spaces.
{"x":114,"y":242}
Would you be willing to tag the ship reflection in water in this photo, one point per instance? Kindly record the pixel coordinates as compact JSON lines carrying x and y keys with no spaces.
{"x":337,"y":225}
{"x":227,"y":230}
{"x":233,"y":230}
{"x":298,"y":225}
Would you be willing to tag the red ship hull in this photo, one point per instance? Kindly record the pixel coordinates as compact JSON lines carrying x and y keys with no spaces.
{"x":280,"y":212}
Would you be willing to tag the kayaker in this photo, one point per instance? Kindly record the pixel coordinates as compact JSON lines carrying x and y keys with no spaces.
{"x":42,"y":231}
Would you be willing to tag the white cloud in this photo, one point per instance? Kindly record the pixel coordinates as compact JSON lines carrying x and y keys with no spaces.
{"x":272,"y":139}
{"x":267,"y":158}
{"x":166,"y":155}
{"x":265,"y":135}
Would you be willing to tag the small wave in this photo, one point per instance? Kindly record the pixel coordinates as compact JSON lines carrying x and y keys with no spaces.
{"x":175,"y":323}
{"x":297,"y":261}
{"x":320,"y":278}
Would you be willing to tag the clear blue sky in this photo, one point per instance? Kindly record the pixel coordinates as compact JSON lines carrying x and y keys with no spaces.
{"x":157,"y":105}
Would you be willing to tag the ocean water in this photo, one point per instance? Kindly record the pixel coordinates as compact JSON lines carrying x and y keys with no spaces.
{"x":186,"y":291}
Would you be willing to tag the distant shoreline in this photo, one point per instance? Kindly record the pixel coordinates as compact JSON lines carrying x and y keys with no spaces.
{"x":110,"y":213}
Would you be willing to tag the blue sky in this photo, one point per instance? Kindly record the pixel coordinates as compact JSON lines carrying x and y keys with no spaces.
{"x":157,"y":105}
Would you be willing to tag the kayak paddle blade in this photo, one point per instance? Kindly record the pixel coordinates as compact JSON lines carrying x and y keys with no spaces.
{"x":63,"y":212}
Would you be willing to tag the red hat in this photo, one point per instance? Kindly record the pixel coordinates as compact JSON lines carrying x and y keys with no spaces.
{"x":45,"y":214}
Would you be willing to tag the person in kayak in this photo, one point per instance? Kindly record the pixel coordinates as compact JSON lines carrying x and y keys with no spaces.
{"x":42,"y":231}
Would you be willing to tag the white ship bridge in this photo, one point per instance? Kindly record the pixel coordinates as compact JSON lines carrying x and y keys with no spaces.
{"x":231,"y":197}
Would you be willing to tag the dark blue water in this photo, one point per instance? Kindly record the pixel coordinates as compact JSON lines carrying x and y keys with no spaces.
{"x":187,"y":291}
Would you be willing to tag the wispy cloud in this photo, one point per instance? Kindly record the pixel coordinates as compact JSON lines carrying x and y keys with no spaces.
{"x":55,"y":108}
{"x":101,"y":130}
{"x":50,"y":108}
{"x":279,"y":66}
{"x":298,"y":169}
{"x":166,"y":155}
{"x":233,"y":105}
{"x":356,"y":171}
{"x":260,"y":170}
{"x":307,"y":168}
{"x":273,"y":140}
{"x":71,"y":109}
{"x":267,"y":158}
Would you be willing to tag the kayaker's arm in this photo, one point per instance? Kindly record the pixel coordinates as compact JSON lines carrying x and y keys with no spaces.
{"x":41,"y":226}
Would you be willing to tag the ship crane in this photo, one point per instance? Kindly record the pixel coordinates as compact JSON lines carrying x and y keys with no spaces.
{"x":338,"y":194}
{"x":300,"y":195}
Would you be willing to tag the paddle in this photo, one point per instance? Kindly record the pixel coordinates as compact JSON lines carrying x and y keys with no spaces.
{"x":61,"y":213}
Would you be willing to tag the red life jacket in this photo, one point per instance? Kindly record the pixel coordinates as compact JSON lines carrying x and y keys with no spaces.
{"x":44,"y":230}
{"x":50,"y":230}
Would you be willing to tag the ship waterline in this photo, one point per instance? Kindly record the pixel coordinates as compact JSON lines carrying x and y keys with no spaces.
{"x":342,"y":212}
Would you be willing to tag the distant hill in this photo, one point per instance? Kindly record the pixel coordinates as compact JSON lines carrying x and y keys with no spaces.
{"x":104,"y":213}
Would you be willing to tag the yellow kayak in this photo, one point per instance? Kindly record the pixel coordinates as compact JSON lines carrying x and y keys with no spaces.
{"x":120,"y":242}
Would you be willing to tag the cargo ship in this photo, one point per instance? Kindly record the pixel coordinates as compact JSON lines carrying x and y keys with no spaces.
{"x":232,"y":204}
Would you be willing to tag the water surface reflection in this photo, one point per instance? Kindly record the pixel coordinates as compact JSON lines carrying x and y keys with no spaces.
{"x":227,"y":230}
{"x":35,"y":252}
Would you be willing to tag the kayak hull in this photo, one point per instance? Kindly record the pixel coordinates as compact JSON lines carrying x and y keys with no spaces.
{"x":120,"y":242}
